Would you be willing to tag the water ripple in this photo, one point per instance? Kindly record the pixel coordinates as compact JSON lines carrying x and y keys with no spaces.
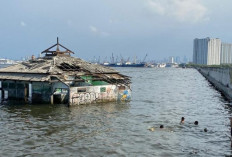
{"x":160,"y":96}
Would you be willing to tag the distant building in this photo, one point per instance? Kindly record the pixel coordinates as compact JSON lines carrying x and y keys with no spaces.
{"x":226,"y":53}
{"x":177,"y":59}
{"x":171,"y":59}
{"x":207,"y":51}
{"x":185,"y":59}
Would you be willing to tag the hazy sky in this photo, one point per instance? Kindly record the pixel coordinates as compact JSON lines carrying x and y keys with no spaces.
{"x":161,"y":28}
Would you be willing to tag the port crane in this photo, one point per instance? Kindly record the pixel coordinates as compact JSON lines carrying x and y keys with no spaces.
{"x":144,"y":58}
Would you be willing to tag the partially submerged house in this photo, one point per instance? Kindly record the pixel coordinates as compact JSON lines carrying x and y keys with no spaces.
{"x":59,"y":78}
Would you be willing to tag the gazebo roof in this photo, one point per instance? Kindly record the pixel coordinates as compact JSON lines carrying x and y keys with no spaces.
{"x":57,"y":52}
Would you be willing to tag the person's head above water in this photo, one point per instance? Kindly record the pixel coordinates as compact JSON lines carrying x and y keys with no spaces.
{"x":205,"y":130}
{"x":182,"y":119}
{"x":196,"y":122}
{"x":161,"y":126}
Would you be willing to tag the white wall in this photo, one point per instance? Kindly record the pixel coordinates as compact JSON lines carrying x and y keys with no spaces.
{"x":92,"y":94}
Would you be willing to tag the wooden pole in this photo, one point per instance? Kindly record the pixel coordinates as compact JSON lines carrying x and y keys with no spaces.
{"x":57,"y":48}
{"x":30,"y":93}
{"x":231,"y":131}
{"x":0,"y":91}
{"x":25,"y":94}
{"x":51,"y":98}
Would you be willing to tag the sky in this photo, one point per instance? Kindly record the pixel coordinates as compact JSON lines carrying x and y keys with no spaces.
{"x":127,"y":28}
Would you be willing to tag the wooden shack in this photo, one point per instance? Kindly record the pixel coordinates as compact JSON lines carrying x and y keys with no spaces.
{"x":59,"y":78}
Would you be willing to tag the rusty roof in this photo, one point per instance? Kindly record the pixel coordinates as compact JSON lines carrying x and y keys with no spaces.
{"x":42,"y":69}
{"x":57,"y":65}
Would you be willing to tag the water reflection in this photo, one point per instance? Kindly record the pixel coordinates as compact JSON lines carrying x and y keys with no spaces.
{"x":46,"y":126}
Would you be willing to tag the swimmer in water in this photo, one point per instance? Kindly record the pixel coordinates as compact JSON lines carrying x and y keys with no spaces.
{"x":182,"y":120}
{"x":152,"y":129}
{"x":196,"y":122}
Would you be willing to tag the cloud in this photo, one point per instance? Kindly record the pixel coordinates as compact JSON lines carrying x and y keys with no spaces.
{"x":69,"y":22}
{"x":93,"y":29}
{"x":156,"y":7}
{"x":23,"y":24}
{"x":113,"y":21}
{"x":182,"y":10}
{"x":96,"y":31}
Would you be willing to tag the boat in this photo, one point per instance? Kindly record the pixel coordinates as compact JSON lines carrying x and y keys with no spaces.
{"x":126,"y":65}
{"x":171,"y":65}
{"x":162,"y":65}
{"x":134,"y":65}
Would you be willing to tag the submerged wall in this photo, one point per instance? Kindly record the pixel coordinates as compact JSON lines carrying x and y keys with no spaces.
{"x":36,"y":92}
{"x":221,"y":78}
{"x":102,"y":93}
{"x":60,"y":93}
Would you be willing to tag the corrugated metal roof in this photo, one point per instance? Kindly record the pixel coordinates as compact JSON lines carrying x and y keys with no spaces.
{"x":42,"y":68}
{"x":54,"y":66}
{"x":24,"y":77}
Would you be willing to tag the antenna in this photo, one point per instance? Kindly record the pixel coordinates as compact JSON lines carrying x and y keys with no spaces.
{"x":57,"y":48}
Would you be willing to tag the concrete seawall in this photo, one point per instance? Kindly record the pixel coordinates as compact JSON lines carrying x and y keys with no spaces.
{"x":221,"y":78}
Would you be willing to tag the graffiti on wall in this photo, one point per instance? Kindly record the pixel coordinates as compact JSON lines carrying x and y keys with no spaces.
{"x":87,"y":97}
{"x":84,"y":97}
{"x":96,"y":94}
{"x":125,"y":95}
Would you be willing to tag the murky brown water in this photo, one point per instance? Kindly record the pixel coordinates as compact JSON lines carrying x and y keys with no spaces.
{"x":160,"y":96}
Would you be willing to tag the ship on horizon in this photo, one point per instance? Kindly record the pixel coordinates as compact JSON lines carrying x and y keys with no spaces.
{"x":127,"y":63}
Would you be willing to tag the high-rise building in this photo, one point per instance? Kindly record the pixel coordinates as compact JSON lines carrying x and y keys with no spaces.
{"x":171,"y":59}
{"x":226,"y":53}
{"x":177,"y":60}
{"x":207,"y":51}
{"x":185,"y":59}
